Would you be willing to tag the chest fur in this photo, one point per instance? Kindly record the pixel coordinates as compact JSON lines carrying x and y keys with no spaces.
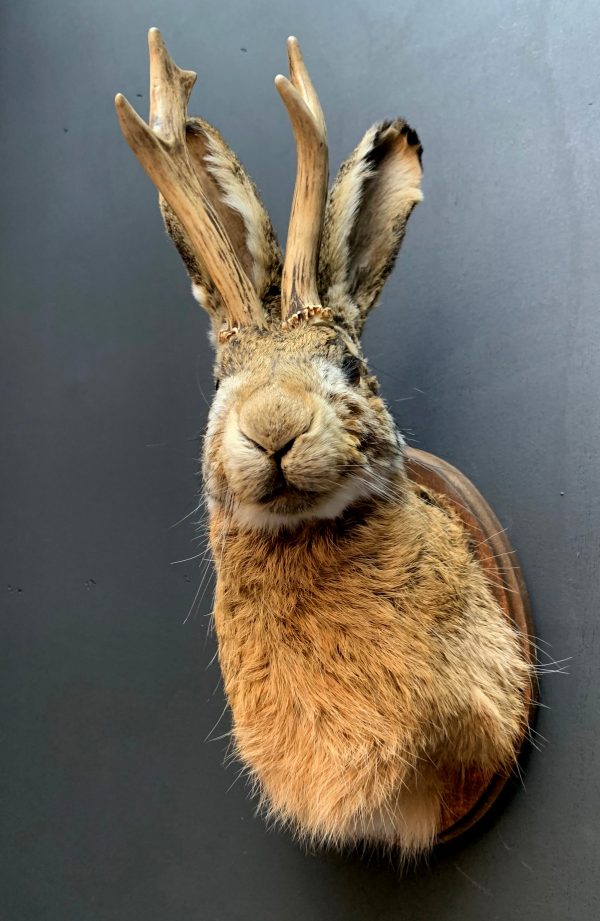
{"x":337,"y":623}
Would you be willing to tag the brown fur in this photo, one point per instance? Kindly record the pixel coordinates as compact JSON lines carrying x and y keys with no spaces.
{"x":366,"y":661}
{"x":362,"y":658}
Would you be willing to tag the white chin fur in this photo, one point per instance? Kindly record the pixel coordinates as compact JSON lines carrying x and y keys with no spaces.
{"x":254,"y":518}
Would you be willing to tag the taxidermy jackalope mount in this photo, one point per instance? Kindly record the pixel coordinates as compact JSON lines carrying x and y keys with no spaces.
{"x":372,"y":623}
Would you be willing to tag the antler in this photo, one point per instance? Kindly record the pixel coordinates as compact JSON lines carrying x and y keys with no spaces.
{"x":299,"y":294}
{"x":161,"y":149}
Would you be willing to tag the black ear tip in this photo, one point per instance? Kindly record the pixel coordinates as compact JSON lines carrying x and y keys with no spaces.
{"x":385,"y":134}
{"x":412,"y":139}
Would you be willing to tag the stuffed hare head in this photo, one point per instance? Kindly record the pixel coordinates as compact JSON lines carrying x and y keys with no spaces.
{"x":297,"y":430}
{"x":367,"y":642}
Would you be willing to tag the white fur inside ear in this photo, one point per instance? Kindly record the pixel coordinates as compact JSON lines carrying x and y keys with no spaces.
{"x":367,"y":211}
{"x":239,"y":194}
{"x":342,"y":211}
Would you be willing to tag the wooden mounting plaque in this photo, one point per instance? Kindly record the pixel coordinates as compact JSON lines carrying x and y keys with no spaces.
{"x":472,"y":799}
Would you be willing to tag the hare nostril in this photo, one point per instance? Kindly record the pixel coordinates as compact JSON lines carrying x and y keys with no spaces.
{"x":270,"y":441}
{"x":255,"y":444}
{"x":280,"y":454}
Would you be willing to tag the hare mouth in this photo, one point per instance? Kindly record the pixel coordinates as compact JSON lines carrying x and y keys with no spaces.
{"x":284,"y":498}
{"x":290,"y":508}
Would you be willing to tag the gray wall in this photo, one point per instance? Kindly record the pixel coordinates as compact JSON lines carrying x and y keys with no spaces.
{"x":487,"y":344}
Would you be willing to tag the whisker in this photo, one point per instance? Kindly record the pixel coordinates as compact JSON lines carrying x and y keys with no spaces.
{"x":187,"y":559}
{"x":189,"y":514}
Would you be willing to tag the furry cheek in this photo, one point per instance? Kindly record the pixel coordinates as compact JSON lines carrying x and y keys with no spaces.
{"x":319,"y":460}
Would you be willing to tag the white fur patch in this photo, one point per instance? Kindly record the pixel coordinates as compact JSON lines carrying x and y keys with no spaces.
{"x":367,"y":210}
{"x":253,"y":517}
{"x":199,"y":293}
{"x":240,"y":196}
{"x":343,"y":209}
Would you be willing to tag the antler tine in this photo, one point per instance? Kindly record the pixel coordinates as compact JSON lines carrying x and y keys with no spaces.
{"x":162,"y":151}
{"x":170,"y":90}
{"x":299,"y":294}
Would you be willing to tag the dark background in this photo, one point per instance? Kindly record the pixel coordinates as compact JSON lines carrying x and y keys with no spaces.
{"x":487,"y":341}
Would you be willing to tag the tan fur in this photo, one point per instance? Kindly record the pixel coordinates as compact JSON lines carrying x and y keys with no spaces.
{"x":366,"y":661}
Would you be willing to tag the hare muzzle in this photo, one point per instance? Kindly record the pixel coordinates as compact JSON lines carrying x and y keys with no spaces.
{"x":284,"y":449}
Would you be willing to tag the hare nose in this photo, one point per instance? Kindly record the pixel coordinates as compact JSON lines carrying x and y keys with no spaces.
{"x":277,"y":448}
{"x":276,"y":453}
{"x":273,"y":423}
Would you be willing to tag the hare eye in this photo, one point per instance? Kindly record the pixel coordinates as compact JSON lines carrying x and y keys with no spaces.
{"x":351,"y":368}
{"x":217,"y":382}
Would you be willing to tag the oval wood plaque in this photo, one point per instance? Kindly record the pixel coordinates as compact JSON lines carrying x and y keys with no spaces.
{"x":470,"y":800}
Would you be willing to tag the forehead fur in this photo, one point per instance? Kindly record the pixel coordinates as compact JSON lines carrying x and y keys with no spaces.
{"x":263,"y":350}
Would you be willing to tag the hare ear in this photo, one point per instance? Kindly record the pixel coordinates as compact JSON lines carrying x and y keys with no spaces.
{"x":367,"y":210}
{"x":235,"y":200}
